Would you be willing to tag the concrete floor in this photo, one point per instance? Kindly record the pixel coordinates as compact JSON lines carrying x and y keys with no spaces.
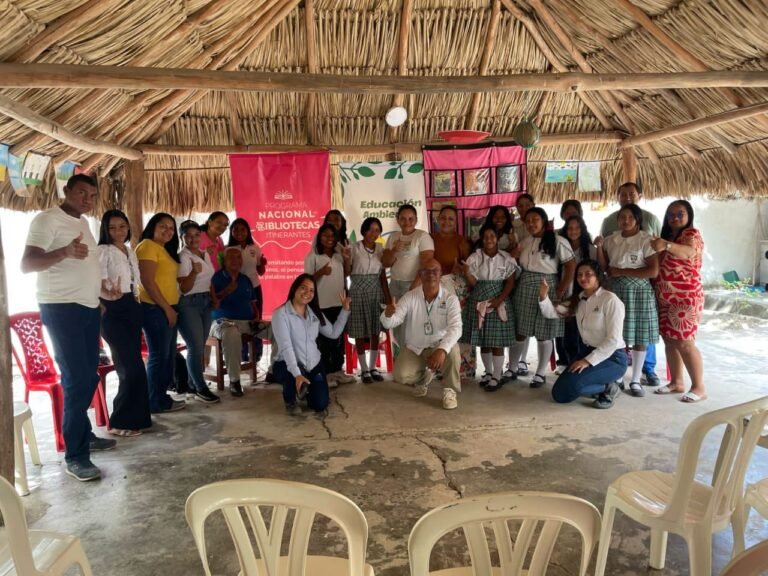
{"x":396,"y":457}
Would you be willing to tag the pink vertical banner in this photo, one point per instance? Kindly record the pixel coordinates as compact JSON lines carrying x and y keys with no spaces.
{"x":284,"y":198}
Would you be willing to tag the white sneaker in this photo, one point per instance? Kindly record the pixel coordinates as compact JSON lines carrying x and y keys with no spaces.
{"x":420,"y":389}
{"x":449,"y":399}
{"x":343,"y":378}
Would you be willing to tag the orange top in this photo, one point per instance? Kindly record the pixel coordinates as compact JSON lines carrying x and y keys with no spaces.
{"x":450,"y":249}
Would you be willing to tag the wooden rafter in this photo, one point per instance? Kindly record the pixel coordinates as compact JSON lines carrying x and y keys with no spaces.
{"x":485,"y":60}
{"x":147,"y":57}
{"x":230,"y":98}
{"x":309,"y":27}
{"x":546,"y":16}
{"x":52,"y":129}
{"x":406,"y":17}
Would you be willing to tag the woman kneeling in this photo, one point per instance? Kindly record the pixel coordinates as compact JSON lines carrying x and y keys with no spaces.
{"x":600,"y":319}
{"x":296,"y":325}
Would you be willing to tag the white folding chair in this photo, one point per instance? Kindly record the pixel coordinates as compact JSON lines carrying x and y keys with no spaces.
{"x":755,"y":496}
{"x":751,"y":562}
{"x":22,"y":427}
{"x":679,"y":503}
{"x":276,"y":498}
{"x":495,"y":511}
{"x":34,"y":552}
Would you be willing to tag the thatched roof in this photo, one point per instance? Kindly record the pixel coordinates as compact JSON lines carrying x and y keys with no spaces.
{"x":361,"y":37}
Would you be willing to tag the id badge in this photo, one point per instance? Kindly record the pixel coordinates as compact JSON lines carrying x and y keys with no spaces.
{"x":428,"y":328}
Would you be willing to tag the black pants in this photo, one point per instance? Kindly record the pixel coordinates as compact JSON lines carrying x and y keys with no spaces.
{"x":331,"y":350}
{"x":121,"y":328}
{"x":318,"y":395}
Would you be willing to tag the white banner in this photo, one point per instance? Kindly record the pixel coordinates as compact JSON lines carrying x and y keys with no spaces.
{"x":377,"y":189}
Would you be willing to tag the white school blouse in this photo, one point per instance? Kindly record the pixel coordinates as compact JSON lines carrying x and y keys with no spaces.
{"x":251,"y":261}
{"x":328,"y":287}
{"x":117,"y":265}
{"x":484,"y":267}
{"x":203,"y":279}
{"x":533,"y":259}
{"x":406,"y":267}
{"x":364,"y":261}
{"x":600,"y":319}
{"x":628,"y":252}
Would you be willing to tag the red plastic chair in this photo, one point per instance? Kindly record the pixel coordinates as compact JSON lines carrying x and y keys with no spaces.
{"x":385,"y":345}
{"x":39,"y":371}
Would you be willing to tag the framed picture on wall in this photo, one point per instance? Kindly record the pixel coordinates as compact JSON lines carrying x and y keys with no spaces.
{"x":507,"y":179}
{"x":477,"y":182}
{"x":443,"y":183}
{"x":472,"y":226}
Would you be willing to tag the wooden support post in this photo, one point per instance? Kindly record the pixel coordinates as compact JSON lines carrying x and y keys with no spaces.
{"x":309,"y":25}
{"x":629,"y":164}
{"x":406,"y":15}
{"x":133,"y":197}
{"x":485,"y":60}
{"x":6,"y":379}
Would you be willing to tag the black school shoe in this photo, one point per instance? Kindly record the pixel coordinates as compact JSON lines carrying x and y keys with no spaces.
{"x":235,"y":388}
{"x":606,"y":399}
{"x":206,"y":396}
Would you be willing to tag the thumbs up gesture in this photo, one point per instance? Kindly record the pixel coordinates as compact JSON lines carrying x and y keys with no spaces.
{"x":76,"y":248}
{"x":391,"y":307}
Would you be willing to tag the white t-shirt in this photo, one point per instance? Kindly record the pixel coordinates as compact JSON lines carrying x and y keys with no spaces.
{"x":203,"y":278}
{"x":328,"y":287}
{"x":365,"y":262}
{"x":406,"y":267}
{"x":484,"y":267}
{"x":534,"y":260}
{"x":117,"y":265}
{"x":71,"y":280}
{"x":251,"y":261}
{"x":628,"y":252}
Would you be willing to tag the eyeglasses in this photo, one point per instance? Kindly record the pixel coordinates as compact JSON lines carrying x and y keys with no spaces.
{"x":430,"y":272}
{"x":679,"y":215}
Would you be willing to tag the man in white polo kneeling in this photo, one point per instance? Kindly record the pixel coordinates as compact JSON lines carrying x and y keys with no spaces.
{"x":432,"y":319}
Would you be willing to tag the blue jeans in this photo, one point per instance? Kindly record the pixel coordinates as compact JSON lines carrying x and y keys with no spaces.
{"x":591,"y":380}
{"x":161,"y":343}
{"x":194,"y":325}
{"x":74,"y":332}
{"x":650,"y":359}
{"x":318,"y":396}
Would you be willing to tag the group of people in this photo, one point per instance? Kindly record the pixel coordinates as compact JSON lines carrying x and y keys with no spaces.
{"x":443,"y":297}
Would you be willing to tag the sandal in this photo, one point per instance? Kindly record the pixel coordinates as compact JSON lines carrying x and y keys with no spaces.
{"x":376,"y":375}
{"x":691,"y":397}
{"x":667,"y":389}
{"x":367,"y":378}
{"x":124,"y":433}
{"x":485,"y":379}
{"x":492,"y":385}
{"x":508,"y":376}
{"x":538,"y":381}
{"x":636,"y":389}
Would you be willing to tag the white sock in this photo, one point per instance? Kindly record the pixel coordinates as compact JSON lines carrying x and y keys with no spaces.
{"x":487,"y":358}
{"x":544,"y":349}
{"x":515,"y":353}
{"x":363,"y":362}
{"x":523,"y":352}
{"x":373,"y":355}
{"x":638,"y":359}
{"x":498,"y":366}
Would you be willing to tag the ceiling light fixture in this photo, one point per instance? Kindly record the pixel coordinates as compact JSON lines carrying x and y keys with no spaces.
{"x":396,"y":116}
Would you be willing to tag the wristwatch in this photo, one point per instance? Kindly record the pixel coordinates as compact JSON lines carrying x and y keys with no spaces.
{"x":667,"y":245}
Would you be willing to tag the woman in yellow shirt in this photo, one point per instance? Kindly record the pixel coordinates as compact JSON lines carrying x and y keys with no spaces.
{"x":158,"y":254}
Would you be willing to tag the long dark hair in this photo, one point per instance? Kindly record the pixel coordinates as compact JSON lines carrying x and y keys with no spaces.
{"x":341,"y":233}
{"x":172,"y":246}
{"x":104,"y":237}
{"x":595,"y":267}
{"x":213,"y":216}
{"x":314,"y":305}
{"x":492,"y":212}
{"x":549,"y":238}
{"x":571,"y":203}
{"x":318,"y":240}
{"x":483,"y":230}
{"x":585,"y":240}
{"x":637,"y":213}
{"x":666,"y":229}
{"x":248,"y":239}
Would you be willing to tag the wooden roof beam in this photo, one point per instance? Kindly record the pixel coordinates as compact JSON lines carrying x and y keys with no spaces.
{"x":406,"y":18}
{"x":230,"y":98}
{"x":584,"y":66}
{"x":52,"y":129}
{"x":485,"y":60}
{"x":696,"y":125}
{"x":311,"y":106}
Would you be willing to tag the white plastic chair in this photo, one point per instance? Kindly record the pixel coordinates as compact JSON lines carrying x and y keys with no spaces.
{"x":755,"y":496}
{"x":751,"y":562}
{"x":22,"y":426}
{"x":34,"y":552}
{"x":496,"y":510}
{"x":680,"y":504}
{"x":277,"y":498}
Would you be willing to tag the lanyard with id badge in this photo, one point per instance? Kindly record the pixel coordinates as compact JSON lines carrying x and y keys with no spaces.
{"x":428,"y":328}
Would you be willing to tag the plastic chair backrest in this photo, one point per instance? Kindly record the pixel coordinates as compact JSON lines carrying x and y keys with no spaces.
{"x":38,"y":363}
{"x":736,"y":448}
{"x":278,"y":498}
{"x":12,"y":512}
{"x":532,"y":508}
{"x":752,"y":562}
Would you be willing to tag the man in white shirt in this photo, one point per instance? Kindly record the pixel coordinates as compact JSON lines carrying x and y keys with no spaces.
{"x":62,"y":250}
{"x":432,"y":319}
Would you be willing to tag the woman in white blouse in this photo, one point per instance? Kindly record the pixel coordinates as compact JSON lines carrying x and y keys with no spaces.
{"x":121,"y":325}
{"x":367,"y":296}
{"x":600,"y":318}
{"x":329,"y":266}
{"x":404,"y":255}
{"x":488,"y":319}
{"x":194,"y":322}
{"x":630,"y":261}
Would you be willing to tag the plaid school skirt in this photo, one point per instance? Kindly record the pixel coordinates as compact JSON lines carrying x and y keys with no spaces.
{"x":528,"y":317}
{"x":365,"y":309}
{"x":641,"y":318}
{"x":495,"y":333}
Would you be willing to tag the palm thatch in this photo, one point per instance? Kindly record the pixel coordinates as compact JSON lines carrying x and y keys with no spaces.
{"x":360,"y":37}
